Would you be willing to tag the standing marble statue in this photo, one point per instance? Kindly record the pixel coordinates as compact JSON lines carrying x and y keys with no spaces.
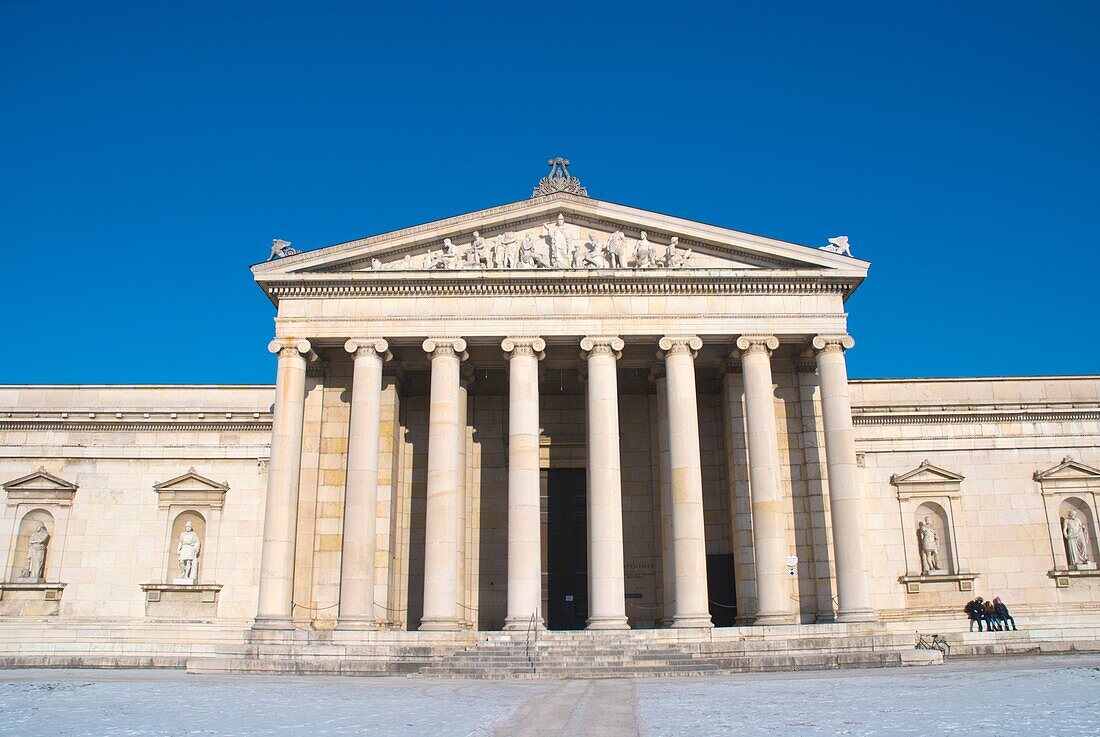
{"x":477,"y":256}
{"x":929,"y":546}
{"x":188,"y":552}
{"x":1077,"y":539}
{"x":36,"y":553}
{"x":616,"y":250}
{"x":643,"y":252}
{"x":560,"y":243}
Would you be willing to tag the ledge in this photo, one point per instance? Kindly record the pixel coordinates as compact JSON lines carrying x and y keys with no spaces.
{"x":1062,"y":578}
{"x":913,"y":583}
{"x":209,"y":591}
{"x":31,"y":586}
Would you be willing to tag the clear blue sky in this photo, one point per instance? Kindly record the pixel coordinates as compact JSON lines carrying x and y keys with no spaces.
{"x":149,"y":152}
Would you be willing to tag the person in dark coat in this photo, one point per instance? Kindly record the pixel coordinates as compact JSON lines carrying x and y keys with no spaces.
{"x":1002,"y":613}
{"x":976,"y":611}
{"x":991,"y":620}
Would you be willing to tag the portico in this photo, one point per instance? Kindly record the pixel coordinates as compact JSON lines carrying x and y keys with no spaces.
{"x":466,"y":384}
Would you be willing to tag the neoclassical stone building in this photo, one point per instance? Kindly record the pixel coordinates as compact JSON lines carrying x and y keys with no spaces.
{"x":559,"y":411}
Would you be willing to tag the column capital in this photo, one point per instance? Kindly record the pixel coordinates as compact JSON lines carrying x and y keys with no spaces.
{"x":757,"y":344}
{"x":524,"y":346}
{"x":290,"y":346}
{"x":603,"y":345}
{"x":671,"y":345}
{"x":369,"y":347}
{"x":446,"y":347}
{"x":833,"y":343}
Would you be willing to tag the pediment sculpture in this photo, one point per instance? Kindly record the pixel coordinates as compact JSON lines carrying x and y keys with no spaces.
{"x":555,"y":248}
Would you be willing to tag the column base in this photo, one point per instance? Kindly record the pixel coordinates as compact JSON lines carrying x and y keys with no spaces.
{"x":439,"y":624}
{"x":356,"y":623}
{"x":521,"y":624}
{"x":607,"y":623}
{"x":772,"y":619}
{"x":696,"y":621}
{"x":856,"y":615}
{"x":272,"y":623}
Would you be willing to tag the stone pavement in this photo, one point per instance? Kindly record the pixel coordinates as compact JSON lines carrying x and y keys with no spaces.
{"x":1052,"y":696}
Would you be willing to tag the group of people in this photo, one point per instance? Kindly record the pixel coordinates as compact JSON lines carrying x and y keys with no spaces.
{"x":993,"y":614}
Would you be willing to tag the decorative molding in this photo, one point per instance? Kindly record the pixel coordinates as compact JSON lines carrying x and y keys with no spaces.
{"x":649,"y":282}
{"x":182,"y":426}
{"x":51,"y":591}
{"x":964,"y":580}
{"x":40,"y":487}
{"x":559,"y":180}
{"x":207,"y":593}
{"x":191,"y":489}
{"x":921,"y":416}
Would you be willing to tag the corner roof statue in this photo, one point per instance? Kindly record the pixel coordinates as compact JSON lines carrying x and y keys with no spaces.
{"x":281,"y":249}
{"x":838,"y":245}
{"x":559,"y":180}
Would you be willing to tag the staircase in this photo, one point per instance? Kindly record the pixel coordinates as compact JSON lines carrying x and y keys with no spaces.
{"x":561,"y":655}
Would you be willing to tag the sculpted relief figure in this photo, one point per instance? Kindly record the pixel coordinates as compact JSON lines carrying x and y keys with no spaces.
{"x":448,"y":259}
{"x":560,"y":243}
{"x":643,"y":253}
{"x":596,"y":257}
{"x":673,"y":259}
{"x":477,"y":257}
{"x":36,"y":553}
{"x":1077,"y":539}
{"x":616,"y":250}
{"x":929,"y":546}
{"x":188,"y":551}
{"x":528,"y":256}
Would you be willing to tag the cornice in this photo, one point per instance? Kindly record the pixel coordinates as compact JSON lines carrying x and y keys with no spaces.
{"x":656,"y":282}
{"x":99,"y":420}
{"x":970,"y":414}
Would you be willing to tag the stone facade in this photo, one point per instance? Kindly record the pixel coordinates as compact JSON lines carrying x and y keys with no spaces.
{"x":410,"y":469}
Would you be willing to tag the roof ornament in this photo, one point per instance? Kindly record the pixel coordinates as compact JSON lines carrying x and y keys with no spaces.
{"x":281,"y":249}
{"x":838,"y":245}
{"x":559,"y":180}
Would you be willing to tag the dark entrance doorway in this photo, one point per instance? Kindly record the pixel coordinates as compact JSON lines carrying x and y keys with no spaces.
{"x":567,"y":549}
{"x":720,"y":588}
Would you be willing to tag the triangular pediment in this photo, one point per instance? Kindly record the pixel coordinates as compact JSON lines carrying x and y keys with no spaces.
{"x":40,"y":487}
{"x":1069,"y":469}
{"x":191,"y":488}
{"x":587,"y":227}
{"x":926,"y":473}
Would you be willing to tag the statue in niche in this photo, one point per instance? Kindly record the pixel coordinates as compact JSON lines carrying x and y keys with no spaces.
{"x":477,"y":257}
{"x":528,"y":257}
{"x":1077,"y":539}
{"x":929,"y":547}
{"x":616,"y":250}
{"x":643,"y":253}
{"x":36,"y":553}
{"x":560,"y":243}
{"x":188,"y":552}
{"x":596,"y":256}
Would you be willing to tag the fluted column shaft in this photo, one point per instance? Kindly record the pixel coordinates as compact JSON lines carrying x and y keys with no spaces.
{"x":854,"y":600}
{"x":692,"y":608}
{"x":273,"y":610}
{"x":524,"y":522}
{"x":361,"y":495}
{"x":606,"y":582}
{"x":668,"y":549}
{"x":444,"y":485}
{"x":769,"y":519}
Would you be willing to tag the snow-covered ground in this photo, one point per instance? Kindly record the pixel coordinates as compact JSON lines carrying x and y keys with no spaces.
{"x":1020,"y":697}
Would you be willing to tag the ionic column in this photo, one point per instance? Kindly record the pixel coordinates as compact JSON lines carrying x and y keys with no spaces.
{"x":445,"y":429}
{"x":361,"y":493}
{"x":273,"y":610}
{"x":854,"y":599}
{"x":668,"y":565}
{"x":524,"y":544}
{"x":692,"y":608}
{"x":465,"y":378}
{"x":606,"y":583}
{"x":769,"y":520}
